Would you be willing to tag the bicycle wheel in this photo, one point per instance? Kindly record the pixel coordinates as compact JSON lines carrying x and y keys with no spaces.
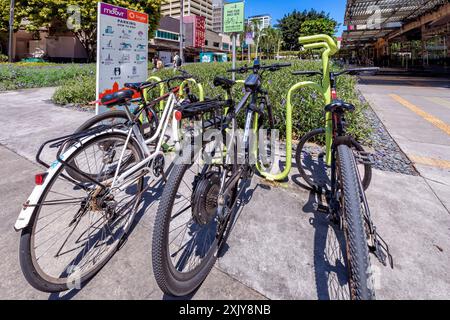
{"x":76,"y":227}
{"x":110,"y":118}
{"x":310,"y":158}
{"x":357,"y":252}
{"x":187,"y":231}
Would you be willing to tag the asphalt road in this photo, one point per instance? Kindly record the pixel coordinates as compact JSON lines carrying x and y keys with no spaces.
{"x":280,"y":248}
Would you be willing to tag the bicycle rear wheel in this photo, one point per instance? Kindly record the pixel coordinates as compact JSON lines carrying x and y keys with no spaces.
{"x":77,"y":227}
{"x":357,"y":251}
{"x":310,"y":158}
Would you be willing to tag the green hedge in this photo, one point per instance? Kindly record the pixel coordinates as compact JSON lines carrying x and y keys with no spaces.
{"x":32,"y":75}
{"x":308,"y":106}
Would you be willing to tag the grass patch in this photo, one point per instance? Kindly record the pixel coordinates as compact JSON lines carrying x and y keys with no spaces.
{"x":37,"y":74}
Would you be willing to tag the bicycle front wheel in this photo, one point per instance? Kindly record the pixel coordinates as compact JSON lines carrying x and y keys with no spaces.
{"x":357,"y":251}
{"x":187,"y":229}
{"x":76,"y":227}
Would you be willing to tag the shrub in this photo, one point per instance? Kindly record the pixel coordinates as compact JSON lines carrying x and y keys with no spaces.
{"x":23,"y":75}
{"x":3,"y":57}
{"x":308,"y":106}
{"x":79,"y":90}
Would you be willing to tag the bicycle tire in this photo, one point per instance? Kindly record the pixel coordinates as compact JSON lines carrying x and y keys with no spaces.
{"x":367,"y":176}
{"x":33,"y":273}
{"x":168,"y":281}
{"x":96,"y":120}
{"x":357,"y":252}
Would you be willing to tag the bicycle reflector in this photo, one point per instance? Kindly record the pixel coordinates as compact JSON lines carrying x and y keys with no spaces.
{"x":39,"y":179}
{"x":334,"y":94}
{"x":178,"y":115}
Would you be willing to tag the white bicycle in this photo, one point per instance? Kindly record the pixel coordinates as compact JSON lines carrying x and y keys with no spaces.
{"x":72,"y":224}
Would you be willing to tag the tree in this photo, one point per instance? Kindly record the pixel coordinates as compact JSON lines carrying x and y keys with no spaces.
{"x":318,"y":26}
{"x":271,"y":41}
{"x":60,"y":16}
{"x":290,"y":26}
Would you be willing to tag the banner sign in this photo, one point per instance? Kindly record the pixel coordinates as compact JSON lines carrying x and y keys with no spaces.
{"x":199,"y":31}
{"x":233,"y":17}
{"x":122,"y":49}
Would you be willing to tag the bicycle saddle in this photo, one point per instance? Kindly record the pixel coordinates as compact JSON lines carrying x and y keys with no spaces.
{"x":224,"y":83}
{"x":339,"y":106}
{"x":117,"y":98}
{"x":134,"y":85}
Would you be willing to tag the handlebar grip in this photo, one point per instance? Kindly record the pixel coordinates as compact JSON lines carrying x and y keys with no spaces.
{"x":311,"y":73}
{"x":283,"y":65}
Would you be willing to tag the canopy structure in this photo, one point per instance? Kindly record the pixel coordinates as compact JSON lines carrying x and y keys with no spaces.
{"x":371,"y":19}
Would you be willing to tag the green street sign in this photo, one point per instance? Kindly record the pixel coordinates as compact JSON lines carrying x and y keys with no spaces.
{"x":233,"y":17}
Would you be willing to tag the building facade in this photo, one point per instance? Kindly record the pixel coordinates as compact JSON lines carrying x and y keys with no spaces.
{"x":264,"y":20}
{"x":203,"y":8}
{"x":418,"y":36}
{"x":166,"y":42}
{"x":218,"y":16}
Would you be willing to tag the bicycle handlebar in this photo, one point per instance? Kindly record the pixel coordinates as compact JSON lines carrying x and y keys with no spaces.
{"x":272,"y":67}
{"x":306,"y":73}
{"x":355,"y":71}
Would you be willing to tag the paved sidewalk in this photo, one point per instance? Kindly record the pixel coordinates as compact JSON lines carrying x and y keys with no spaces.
{"x":280,"y":248}
{"x":416,"y":112}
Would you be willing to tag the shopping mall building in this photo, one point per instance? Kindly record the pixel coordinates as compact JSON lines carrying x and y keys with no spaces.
{"x":398,"y":33}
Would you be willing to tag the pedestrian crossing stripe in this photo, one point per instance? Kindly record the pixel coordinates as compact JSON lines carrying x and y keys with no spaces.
{"x":430,"y":118}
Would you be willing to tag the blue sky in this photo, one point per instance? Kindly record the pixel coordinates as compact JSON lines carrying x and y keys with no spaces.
{"x":278,"y":8}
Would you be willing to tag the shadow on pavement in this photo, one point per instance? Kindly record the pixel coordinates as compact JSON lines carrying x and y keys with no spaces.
{"x":329,"y":246}
{"x":402,"y":80}
{"x":149,"y":198}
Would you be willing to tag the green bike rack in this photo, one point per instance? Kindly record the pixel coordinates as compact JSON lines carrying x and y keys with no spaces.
{"x":329,"y":48}
{"x":201,"y":92}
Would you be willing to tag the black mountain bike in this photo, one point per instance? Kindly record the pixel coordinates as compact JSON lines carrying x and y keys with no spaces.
{"x":199,"y":199}
{"x":348,"y":207}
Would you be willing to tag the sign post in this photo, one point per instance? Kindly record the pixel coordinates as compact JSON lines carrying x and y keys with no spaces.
{"x":122,"y":49}
{"x":233,"y":22}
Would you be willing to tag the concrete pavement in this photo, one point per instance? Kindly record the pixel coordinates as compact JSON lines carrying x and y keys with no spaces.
{"x":416,"y":112}
{"x":281,"y":247}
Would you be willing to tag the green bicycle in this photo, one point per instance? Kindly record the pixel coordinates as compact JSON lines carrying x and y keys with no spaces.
{"x":334,"y":170}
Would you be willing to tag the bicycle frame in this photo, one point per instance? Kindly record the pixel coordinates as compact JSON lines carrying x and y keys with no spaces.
{"x":329,"y":48}
{"x":160,"y":132}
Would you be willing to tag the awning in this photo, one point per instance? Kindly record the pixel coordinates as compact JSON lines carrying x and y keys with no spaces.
{"x":369,"y":20}
{"x":359,"y":12}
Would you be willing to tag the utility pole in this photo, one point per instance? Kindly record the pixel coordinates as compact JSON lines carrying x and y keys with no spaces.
{"x":11,"y":30}
{"x":181,"y":30}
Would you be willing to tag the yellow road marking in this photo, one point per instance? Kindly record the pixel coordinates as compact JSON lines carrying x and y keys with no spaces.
{"x":439,"y":101}
{"x":430,"y":118}
{"x":438,"y":163}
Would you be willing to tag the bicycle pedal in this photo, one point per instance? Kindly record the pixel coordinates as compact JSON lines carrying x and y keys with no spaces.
{"x":321,"y":208}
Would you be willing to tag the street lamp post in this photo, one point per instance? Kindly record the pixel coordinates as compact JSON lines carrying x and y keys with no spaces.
{"x":181,"y":30}
{"x":11,"y":31}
